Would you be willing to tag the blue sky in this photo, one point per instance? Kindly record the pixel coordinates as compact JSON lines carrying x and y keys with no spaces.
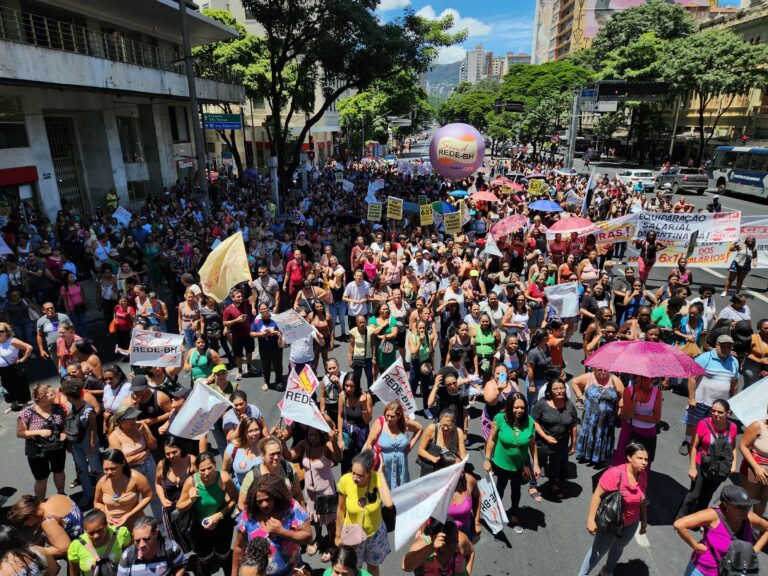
{"x":500,"y":25}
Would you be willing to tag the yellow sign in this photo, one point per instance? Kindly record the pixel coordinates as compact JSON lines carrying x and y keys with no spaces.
{"x":374,"y":211}
{"x":537,"y":187}
{"x":225,"y":266}
{"x":394,"y":208}
{"x":425,"y":212}
{"x":452,"y":223}
{"x":423,"y":200}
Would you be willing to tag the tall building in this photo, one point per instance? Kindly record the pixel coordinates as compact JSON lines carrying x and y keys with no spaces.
{"x":512,"y":59}
{"x":479,"y":64}
{"x":562,"y":27}
{"x":93,"y":97}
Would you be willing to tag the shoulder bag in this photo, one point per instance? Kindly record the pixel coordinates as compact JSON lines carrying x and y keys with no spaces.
{"x":427,"y":466}
{"x":608,"y":515}
{"x":353,"y":534}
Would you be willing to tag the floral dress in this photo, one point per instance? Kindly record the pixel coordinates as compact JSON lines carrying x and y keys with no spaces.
{"x":596,"y":435}
{"x":284,"y":554}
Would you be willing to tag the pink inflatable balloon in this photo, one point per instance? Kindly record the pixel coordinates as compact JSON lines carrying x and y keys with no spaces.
{"x":456,"y":151}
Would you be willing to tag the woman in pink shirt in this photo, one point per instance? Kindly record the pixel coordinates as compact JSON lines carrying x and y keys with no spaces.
{"x":74,"y":302}
{"x":631,"y":479}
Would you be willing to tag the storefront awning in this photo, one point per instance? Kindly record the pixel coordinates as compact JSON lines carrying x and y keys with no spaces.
{"x":20,"y":175}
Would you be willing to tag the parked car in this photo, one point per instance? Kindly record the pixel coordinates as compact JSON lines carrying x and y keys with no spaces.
{"x":635,"y":176}
{"x":684,"y":179}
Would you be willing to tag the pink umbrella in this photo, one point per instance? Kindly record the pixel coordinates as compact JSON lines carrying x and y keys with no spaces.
{"x":651,"y":359}
{"x":568,"y":224}
{"x":514,"y":186}
{"x":498,"y":182}
{"x":509,"y":225}
{"x":484,"y":196}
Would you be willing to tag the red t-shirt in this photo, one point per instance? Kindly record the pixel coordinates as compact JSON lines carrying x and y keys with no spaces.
{"x":631,"y":496}
{"x":232,"y":312}
{"x":296,"y":273}
{"x":705,"y":435}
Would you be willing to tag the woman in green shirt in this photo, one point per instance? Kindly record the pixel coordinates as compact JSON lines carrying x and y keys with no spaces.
{"x":487,"y":340}
{"x":212,"y":495}
{"x":99,"y":540}
{"x":384,"y":331}
{"x":511,"y":450}
{"x":344,"y":563}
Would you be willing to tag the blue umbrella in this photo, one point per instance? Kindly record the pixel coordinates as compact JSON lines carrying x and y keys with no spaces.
{"x":252,"y":174}
{"x":545,"y":206}
{"x":459,"y":194}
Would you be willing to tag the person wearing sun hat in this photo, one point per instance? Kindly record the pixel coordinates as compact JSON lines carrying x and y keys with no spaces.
{"x":732,"y":519}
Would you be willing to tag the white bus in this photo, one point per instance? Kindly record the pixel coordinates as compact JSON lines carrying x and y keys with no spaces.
{"x":740,"y":169}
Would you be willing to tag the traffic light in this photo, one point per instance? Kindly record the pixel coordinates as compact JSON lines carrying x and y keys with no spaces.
{"x":511,"y":106}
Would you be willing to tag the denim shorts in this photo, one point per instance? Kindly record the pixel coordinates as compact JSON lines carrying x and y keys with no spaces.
{"x":692,"y":415}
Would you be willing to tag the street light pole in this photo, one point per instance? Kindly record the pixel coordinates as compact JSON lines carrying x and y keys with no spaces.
{"x":568,"y":160}
{"x":674,"y":126}
{"x":202,"y":181}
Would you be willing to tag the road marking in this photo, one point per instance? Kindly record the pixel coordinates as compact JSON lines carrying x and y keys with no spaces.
{"x":750,"y":292}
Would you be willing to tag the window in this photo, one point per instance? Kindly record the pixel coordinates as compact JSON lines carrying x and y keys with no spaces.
{"x":743,"y":161}
{"x":249,"y":14}
{"x":730,"y":159}
{"x":137,"y":190}
{"x":13,"y":131}
{"x":259,"y":103}
{"x":130,"y":139}
{"x":179,"y":124}
{"x":759,"y":163}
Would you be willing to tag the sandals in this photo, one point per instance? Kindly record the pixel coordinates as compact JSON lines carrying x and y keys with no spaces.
{"x":535,"y":494}
{"x":74,"y":484}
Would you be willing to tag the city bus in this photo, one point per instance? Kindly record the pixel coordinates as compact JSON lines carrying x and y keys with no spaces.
{"x":740,"y":169}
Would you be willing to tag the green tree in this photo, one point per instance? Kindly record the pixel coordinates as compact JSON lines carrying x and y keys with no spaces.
{"x":336,"y":45}
{"x":714,"y":67}
{"x":640,"y":59}
{"x":471,"y":103}
{"x":667,"y":21}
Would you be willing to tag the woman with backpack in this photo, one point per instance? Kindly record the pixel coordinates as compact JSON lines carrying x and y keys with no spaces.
{"x":99,"y":548}
{"x":713,"y":457}
{"x":727,"y":547}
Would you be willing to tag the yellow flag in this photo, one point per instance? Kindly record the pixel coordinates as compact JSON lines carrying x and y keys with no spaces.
{"x":225,"y":267}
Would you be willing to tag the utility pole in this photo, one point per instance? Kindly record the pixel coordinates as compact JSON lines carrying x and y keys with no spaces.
{"x":568,"y":160}
{"x":674,"y":126}
{"x":197,"y":130}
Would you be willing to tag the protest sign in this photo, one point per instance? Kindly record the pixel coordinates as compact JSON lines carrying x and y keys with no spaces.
{"x":225,"y":267}
{"x":339,"y":177}
{"x":201,"y":410}
{"x":293,"y":326}
{"x":757,"y":226}
{"x":564,"y":298}
{"x":374,"y":211}
{"x":393,"y":385}
{"x":537,"y":187}
{"x":490,"y":505}
{"x":423,"y":200}
{"x":347,"y":185}
{"x":572,"y":197}
{"x":156,"y":349}
{"x":452,"y":222}
{"x":464,"y":211}
{"x":749,"y":404}
{"x":5,"y":250}
{"x":425,"y":215}
{"x":122,"y":215}
{"x":428,"y":496}
{"x":394,"y":208}
{"x":491,"y":248}
{"x":298,"y":405}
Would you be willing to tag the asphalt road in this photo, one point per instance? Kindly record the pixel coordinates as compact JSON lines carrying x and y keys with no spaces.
{"x":554,"y":539}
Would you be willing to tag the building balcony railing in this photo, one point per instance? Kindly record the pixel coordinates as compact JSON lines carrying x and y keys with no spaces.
{"x":42,"y":31}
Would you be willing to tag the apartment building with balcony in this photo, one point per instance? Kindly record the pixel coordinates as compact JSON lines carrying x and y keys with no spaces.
{"x":93,"y":96}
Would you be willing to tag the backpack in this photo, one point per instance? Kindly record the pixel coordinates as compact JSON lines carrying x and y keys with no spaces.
{"x":75,"y":427}
{"x":716,"y":463}
{"x":740,"y":559}
{"x":103,"y":565}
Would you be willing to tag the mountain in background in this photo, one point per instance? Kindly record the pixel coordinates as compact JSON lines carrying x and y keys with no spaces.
{"x":444,"y":74}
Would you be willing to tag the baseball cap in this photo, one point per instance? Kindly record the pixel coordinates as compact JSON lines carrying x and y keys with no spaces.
{"x":126,"y":413}
{"x":180,"y":392}
{"x":219,"y":368}
{"x":736,"y":496}
{"x":474,"y":273}
{"x":724,"y":339}
{"x":139,"y":384}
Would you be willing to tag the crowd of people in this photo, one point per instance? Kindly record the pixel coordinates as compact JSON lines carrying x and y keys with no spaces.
{"x":476,"y":332}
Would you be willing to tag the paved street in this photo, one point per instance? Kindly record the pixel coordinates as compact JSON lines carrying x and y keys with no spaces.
{"x":555,"y":539}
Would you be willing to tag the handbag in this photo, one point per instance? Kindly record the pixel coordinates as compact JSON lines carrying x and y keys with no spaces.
{"x":353,"y":534}
{"x":113,"y":327}
{"x":691,"y":349}
{"x":427,"y":466}
{"x":608,"y":515}
{"x":527,"y":473}
{"x":324,"y":503}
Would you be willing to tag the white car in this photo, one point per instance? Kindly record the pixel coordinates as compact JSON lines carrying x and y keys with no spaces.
{"x":644,"y":177}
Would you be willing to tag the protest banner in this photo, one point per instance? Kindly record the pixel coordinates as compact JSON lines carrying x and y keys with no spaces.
{"x":201,"y":410}
{"x":491,"y":248}
{"x":419,"y":499}
{"x":150,"y":348}
{"x":5,"y":250}
{"x":491,"y":509}
{"x":347,"y":185}
{"x":572,"y":197}
{"x":297,"y":403}
{"x":393,"y":385}
{"x":394,"y":208}
{"x":452,"y":223}
{"x":374,"y":211}
{"x":225,"y":267}
{"x":749,"y":404}
{"x":564,"y":298}
{"x":423,"y":200}
{"x":339,"y":177}
{"x":293,"y":326}
{"x":425,"y":215}
{"x":757,"y":226}
{"x":537,"y":187}
{"x":122,"y":215}
{"x":464,"y":211}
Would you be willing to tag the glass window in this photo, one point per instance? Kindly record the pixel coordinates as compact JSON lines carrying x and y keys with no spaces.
{"x":179,"y":124}
{"x":259,"y":103}
{"x":759,"y":163}
{"x":249,"y":14}
{"x":13,"y":131}
{"x":730,"y":159}
{"x":137,"y":190}
{"x":743,"y":160}
{"x":130,"y":139}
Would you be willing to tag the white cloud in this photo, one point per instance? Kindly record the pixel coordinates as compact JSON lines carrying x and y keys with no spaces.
{"x":474,"y":27}
{"x":450,"y":54}
{"x":387,"y":5}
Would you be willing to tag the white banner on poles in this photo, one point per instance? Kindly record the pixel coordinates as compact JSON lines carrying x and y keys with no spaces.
{"x":292,"y":325}
{"x":564,"y":299}
{"x":750,"y":404}
{"x":150,"y":348}
{"x":428,"y":496}
{"x":490,"y":505}
{"x":297,"y":403}
{"x":393,"y":385}
{"x":202,"y":408}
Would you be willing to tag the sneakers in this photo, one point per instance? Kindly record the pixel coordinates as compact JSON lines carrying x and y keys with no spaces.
{"x":724,"y":294}
{"x":239,"y":376}
{"x":428,"y":414}
{"x":685,"y":449}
